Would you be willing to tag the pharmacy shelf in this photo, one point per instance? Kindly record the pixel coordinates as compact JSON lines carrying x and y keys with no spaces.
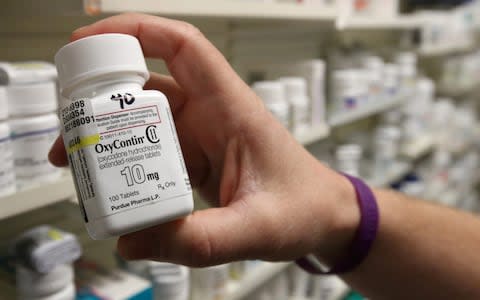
{"x":258,"y":278}
{"x":397,"y":172}
{"x":37,"y":197}
{"x":237,"y":9}
{"x":404,"y":22}
{"x":420,"y":147}
{"x":446,"y":49}
{"x":313,"y":135}
{"x":365,"y":111}
{"x":457,"y":91}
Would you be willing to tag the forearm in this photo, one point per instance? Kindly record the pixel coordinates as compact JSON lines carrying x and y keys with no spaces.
{"x":422,"y":251}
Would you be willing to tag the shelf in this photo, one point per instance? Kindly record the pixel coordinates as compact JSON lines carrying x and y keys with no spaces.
{"x":418,"y":148}
{"x":256,"y":279}
{"x":37,"y":197}
{"x":397,"y":172}
{"x":372,"y":22}
{"x":237,"y":9}
{"x":457,"y":91}
{"x":445,"y":49}
{"x":313,"y":135}
{"x":365,"y":111}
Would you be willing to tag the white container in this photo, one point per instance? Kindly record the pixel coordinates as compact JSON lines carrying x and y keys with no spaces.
{"x":33,"y":285}
{"x":348,"y":159}
{"x":170,"y":281}
{"x":32,"y":138}
{"x":391,"y":80}
{"x":121,"y":140}
{"x":386,"y":149}
{"x":296,"y":93}
{"x":349,"y":90}
{"x":32,"y":99}
{"x":26,"y":72}
{"x":407,"y":66}
{"x":374,"y":66}
{"x":314,"y":72}
{"x":210,"y":283}
{"x":7,"y":170}
{"x":3,"y":104}
{"x":274,"y":97}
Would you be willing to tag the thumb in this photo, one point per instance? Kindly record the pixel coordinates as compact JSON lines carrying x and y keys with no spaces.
{"x":208,"y":237}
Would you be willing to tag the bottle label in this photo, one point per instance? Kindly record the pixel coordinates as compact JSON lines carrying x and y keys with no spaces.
{"x":31,"y":155}
{"x":7,"y":173}
{"x":124,"y":153}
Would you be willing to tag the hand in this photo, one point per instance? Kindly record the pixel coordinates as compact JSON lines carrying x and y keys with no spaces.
{"x":275,"y":201}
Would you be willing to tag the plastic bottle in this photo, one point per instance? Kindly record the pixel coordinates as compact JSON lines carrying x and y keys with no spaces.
{"x":121,"y":141}
{"x":386,"y":149}
{"x":348,"y":159}
{"x":171,"y":282}
{"x":210,"y":283}
{"x":374,"y":66}
{"x":274,"y":97}
{"x":57,"y":284}
{"x":296,"y":92}
{"x":35,"y":126}
{"x":32,"y":138}
{"x":349,"y":90}
{"x":391,"y":80}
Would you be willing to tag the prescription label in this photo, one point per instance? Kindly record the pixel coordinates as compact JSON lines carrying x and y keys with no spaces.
{"x":124,"y":153}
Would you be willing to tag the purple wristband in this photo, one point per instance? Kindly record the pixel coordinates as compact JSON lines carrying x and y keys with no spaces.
{"x":364,"y":237}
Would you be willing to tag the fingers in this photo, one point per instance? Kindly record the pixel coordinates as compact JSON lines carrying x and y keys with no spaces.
{"x":57,"y":154}
{"x":192,"y":60}
{"x":207,"y":237}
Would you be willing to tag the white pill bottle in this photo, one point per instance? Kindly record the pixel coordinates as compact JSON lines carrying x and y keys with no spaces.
{"x":121,"y":141}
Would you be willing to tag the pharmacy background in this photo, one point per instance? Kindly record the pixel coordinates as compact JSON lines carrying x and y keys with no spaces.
{"x":385,"y":90}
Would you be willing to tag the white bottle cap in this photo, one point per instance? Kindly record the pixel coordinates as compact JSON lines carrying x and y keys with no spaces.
{"x":270,"y":91}
{"x":3,"y":103}
{"x":32,"y":99}
{"x":27,"y":72}
{"x":349,"y":152}
{"x":98,"y":56}
{"x":294,"y":86}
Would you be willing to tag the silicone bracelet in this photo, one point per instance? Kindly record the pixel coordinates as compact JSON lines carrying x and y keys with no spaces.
{"x":364,"y":236}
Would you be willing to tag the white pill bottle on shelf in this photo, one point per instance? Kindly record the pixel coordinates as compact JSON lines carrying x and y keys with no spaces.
{"x":32,"y":105}
{"x":121,"y":141}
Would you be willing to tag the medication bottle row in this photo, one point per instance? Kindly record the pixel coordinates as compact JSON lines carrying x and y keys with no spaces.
{"x":28,"y":124}
{"x":295,"y":93}
{"x":394,"y":134}
{"x":361,"y":79}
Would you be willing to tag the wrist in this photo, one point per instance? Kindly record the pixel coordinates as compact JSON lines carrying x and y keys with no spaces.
{"x":343,"y":223}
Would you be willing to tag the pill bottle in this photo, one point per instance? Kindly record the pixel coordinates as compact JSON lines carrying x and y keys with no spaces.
{"x":348,"y":90}
{"x":3,"y":104}
{"x":7,"y":171}
{"x":391,"y":80}
{"x":274,"y":97}
{"x":170,"y":281}
{"x":210,"y":283}
{"x":296,"y":93}
{"x":35,"y":126}
{"x":386,"y":141}
{"x":121,"y":141}
{"x":374,"y":67}
{"x":56,"y":284}
{"x":348,"y":159}
{"x":407,"y":66}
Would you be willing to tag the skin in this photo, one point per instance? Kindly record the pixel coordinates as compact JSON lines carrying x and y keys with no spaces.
{"x":274,"y":201}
